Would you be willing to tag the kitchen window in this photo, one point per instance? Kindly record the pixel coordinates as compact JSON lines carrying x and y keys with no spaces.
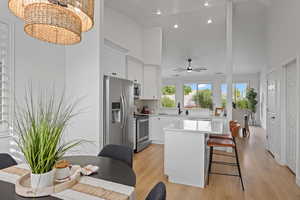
{"x":239,"y":92}
{"x":168,"y":98}
{"x":198,"y":95}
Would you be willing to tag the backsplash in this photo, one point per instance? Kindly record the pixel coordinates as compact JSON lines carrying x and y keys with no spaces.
{"x":153,"y":105}
{"x":155,"y":108}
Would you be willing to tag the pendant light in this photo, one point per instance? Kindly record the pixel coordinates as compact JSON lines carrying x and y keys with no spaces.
{"x":55,"y":21}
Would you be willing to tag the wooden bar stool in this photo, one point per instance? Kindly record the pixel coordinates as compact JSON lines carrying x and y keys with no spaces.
{"x":217,"y":142}
{"x":232,"y":124}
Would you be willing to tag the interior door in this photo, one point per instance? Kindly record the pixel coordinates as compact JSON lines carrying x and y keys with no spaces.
{"x":273,"y":119}
{"x":291,"y":114}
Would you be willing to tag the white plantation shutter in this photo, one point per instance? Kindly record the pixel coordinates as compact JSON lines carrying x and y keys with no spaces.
{"x":6,"y":89}
{"x":4,"y":80}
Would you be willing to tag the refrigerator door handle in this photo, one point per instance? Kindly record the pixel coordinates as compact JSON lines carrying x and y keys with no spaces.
{"x":122,"y":111}
{"x":125,"y":121}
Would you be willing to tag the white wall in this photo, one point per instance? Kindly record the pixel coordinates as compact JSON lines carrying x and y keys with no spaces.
{"x":36,"y":62}
{"x":249,"y":37}
{"x":283,"y":33}
{"x":152,"y":46}
{"x":84,"y":79}
{"x":123,"y":31}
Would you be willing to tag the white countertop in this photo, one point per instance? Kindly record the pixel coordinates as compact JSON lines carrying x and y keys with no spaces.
{"x":189,"y":117}
{"x":204,"y":126}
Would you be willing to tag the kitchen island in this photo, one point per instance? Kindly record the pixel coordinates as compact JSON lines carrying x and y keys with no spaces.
{"x":186,"y":155}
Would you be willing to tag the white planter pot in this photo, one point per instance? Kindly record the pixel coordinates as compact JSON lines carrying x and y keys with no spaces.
{"x":42,"y":180}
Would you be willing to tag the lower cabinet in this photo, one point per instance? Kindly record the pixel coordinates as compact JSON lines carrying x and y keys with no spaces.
{"x":156,"y":128}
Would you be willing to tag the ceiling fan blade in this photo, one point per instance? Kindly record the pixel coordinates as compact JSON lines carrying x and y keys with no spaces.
{"x":179,"y":69}
{"x":199,"y":69}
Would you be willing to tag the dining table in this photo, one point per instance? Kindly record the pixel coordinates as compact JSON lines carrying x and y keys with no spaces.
{"x":110,"y":170}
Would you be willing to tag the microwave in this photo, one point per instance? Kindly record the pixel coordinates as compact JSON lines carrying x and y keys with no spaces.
{"x":137,"y":90}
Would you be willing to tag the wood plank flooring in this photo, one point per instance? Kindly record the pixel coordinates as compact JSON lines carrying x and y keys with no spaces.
{"x":264,"y":179}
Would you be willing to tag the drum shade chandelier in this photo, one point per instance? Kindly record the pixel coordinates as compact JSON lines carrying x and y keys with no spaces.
{"x":55,"y":21}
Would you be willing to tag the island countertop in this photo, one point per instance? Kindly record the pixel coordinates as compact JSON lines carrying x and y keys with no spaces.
{"x":204,"y":126}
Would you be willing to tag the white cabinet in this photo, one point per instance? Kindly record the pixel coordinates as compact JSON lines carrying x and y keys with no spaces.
{"x":151,"y":83}
{"x":114,"y":60}
{"x":135,"y":70}
{"x":156,"y":128}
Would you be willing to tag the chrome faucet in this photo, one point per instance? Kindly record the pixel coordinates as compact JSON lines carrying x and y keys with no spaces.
{"x":179,"y":109}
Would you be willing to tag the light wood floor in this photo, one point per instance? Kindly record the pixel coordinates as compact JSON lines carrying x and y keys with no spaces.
{"x":264,"y":179}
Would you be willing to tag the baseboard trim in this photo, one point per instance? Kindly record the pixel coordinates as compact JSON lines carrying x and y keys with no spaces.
{"x":298,"y":181}
{"x":157,"y":142}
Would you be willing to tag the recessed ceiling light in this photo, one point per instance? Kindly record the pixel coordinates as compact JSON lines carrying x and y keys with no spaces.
{"x":209,"y":21}
{"x":206,"y":4}
{"x":158,"y":12}
{"x":176,"y":26}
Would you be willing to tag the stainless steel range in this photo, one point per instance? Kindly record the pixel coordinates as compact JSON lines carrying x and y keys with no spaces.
{"x":142,"y":132}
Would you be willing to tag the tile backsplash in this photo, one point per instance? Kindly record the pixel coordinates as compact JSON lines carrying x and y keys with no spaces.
{"x":153,"y":105}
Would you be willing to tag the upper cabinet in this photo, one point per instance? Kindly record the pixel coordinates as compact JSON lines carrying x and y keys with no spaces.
{"x":151,"y":84}
{"x":135,"y":70}
{"x":114,"y":60}
{"x":152,"y":48}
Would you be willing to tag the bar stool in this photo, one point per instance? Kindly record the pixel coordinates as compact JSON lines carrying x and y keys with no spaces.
{"x":232,"y":124}
{"x":217,"y":142}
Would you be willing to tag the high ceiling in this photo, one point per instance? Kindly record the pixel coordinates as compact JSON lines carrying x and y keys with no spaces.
{"x":204,"y":43}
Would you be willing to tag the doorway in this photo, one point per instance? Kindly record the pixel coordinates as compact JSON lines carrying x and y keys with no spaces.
{"x":273,"y":117}
{"x":291,"y":114}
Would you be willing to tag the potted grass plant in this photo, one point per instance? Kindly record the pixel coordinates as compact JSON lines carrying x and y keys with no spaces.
{"x":40,"y":127}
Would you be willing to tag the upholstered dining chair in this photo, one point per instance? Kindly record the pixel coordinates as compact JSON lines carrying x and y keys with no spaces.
{"x":158,"y":192}
{"x":118,"y":152}
{"x":6,"y":161}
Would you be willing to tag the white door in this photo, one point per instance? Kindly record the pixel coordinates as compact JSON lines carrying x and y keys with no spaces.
{"x":273,"y":120}
{"x":291,"y":114}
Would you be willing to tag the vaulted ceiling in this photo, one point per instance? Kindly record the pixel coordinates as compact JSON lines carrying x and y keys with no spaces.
{"x":204,"y":43}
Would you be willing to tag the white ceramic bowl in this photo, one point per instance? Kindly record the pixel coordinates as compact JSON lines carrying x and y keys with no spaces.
{"x":62,"y":173}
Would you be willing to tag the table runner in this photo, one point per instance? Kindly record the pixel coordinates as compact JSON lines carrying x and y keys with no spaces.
{"x":88,"y":188}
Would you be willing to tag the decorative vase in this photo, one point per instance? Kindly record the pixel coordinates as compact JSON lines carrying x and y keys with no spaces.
{"x":42,"y":180}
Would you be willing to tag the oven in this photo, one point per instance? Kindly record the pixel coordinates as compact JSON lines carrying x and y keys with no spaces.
{"x":142,"y":132}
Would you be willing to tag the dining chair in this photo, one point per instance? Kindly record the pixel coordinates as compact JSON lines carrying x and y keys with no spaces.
{"x":6,"y":161}
{"x":217,"y":142}
{"x":158,"y":192}
{"x":118,"y":152}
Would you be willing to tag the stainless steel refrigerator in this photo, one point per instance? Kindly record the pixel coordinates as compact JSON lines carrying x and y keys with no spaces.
{"x":119,"y":126}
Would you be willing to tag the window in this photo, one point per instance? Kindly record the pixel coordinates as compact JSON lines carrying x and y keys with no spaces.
{"x":239,"y":95}
{"x":224,"y":95}
{"x":168,"y":99}
{"x":198,"y":95}
{"x":239,"y":92}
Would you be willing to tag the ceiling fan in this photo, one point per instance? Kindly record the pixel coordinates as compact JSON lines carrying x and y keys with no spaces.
{"x":189,"y":68}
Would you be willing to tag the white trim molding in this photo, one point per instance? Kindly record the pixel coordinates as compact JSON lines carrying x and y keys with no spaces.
{"x":298,"y":181}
